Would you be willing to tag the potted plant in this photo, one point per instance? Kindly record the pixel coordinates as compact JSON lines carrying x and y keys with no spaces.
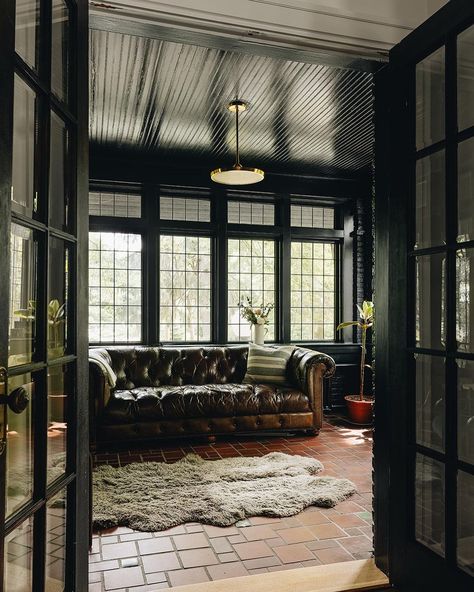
{"x":257,"y":316}
{"x":360,"y":407}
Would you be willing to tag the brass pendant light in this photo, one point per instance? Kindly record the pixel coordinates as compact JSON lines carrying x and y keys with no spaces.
{"x":238,"y":174}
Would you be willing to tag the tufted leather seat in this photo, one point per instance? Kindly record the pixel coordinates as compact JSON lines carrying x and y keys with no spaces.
{"x":165,"y":391}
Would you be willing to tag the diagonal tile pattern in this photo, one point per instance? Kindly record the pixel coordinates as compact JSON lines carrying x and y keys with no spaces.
{"x":195,"y":553}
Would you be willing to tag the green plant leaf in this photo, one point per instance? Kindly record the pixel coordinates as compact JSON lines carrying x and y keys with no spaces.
{"x":347,"y":324}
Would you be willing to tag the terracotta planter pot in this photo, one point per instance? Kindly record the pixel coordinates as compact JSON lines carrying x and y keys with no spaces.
{"x":360,"y":412}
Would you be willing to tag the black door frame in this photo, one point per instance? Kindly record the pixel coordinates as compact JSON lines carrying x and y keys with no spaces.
{"x":407,"y":563}
{"x":77,"y":482}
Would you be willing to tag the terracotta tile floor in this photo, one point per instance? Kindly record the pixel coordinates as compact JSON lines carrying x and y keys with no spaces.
{"x":125,"y":560}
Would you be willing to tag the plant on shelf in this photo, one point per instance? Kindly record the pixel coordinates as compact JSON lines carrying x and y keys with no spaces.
{"x":360,"y":407}
{"x":257,"y":316}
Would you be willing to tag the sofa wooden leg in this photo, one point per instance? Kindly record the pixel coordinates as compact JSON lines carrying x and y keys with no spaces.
{"x":211,"y":439}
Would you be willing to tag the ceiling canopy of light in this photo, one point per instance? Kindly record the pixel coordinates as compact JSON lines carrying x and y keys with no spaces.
{"x":238,"y":174}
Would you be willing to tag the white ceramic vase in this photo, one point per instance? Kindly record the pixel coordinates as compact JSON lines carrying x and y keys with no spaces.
{"x":258,"y":334}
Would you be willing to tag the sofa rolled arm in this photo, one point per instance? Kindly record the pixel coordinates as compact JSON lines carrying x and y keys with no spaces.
{"x":306,"y":370}
{"x":99,"y":391}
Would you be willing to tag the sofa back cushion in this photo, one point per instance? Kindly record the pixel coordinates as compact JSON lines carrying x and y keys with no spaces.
{"x":157,"y":366}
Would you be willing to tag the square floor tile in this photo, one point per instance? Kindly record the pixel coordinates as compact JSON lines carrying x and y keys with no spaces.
{"x":156,"y":545}
{"x":327,"y":531}
{"x":160,"y":562}
{"x":191,"y":541}
{"x":198,"y":557}
{"x":119,"y":550}
{"x":294,"y":553}
{"x":183,"y":577}
{"x":123,"y":578}
{"x":253,"y":550}
{"x":333,"y":555}
{"x":227,"y":570}
{"x":299,"y":534}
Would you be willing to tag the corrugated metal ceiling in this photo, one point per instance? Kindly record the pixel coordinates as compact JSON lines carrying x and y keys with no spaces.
{"x":169,"y":99}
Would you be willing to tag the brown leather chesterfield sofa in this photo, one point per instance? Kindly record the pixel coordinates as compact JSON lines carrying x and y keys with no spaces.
{"x":162,"y":392}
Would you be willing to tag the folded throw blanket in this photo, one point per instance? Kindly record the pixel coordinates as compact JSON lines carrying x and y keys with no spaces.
{"x":98,"y":357}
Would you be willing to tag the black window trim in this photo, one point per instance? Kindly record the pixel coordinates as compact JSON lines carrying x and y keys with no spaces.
{"x":151,"y":227}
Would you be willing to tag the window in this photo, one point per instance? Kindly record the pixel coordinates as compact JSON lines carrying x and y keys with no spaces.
{"x":189,"y":305}
{"x":185,"y":288}
{"x":251,"y":273}
{"x":117,"y":205}
{"x":312,"y":217}
{"x":313,"y":267}
{"x":187,"y":209}
{"x":115,"y":287}
{"x":240,"y":212}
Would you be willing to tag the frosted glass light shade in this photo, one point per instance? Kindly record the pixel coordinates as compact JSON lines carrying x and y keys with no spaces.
{"x":237,"y":176}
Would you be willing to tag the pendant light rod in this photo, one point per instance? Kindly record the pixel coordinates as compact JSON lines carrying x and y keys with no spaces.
{"x":238,"y":174}
{"x":237,"y":153}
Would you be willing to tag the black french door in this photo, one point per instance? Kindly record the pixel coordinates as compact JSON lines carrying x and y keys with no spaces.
{"x":43,"y":253}
{"x":425,"y":304}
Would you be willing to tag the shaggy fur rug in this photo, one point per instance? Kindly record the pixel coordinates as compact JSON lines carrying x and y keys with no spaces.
{"x":153,"y":496}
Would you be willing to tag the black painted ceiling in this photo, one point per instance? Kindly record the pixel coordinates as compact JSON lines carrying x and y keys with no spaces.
{"x":168,"y":99}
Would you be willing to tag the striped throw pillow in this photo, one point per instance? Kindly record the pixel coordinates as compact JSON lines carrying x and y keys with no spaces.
{"x":267,"y":364}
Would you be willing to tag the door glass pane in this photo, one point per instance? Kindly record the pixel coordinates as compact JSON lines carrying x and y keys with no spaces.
{"x":466,"y":190}
{"x":59,"y":398}
{"x":56,"y":542}
{"x":58,"y":173}
{"x":430,"y":201}
{"x":429,"y":503}
{"x":20,"y":445}
{"x":465,"y":299}
{"x":26,"y":25}
{"x":24,"y":140}
{"x":60,"y":49}
{"x":430,"y":301}
{"x":465,"y":546}
{"x":430,"y":99}
{"x":23,"y":291}
{"x":430,"y":389}
{"x":19,"y":558}
{"x":58,"y":297}
{"x":466,"y":79}
{"x":466,"y":410}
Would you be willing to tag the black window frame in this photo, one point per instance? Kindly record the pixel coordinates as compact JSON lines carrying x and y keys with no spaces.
{"x":219,"y":230}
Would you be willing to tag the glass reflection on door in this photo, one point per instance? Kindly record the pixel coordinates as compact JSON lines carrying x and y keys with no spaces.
{"x":465,"y":68}
{"x":466,"y":190}
{"x":431,"y":301}
{"x":58,"y":298}
{"x":465,"y":525}
{"x":59,"y":400}
{"x":465,"y":300}
{"x":56,"y":542}
{"x":26,"y":30}
{"x":465,"y":379}
{"x":430,"y":201}
{"x":430,"y":403}
{"x":430,"y":84}
{"x":23,"y":293}
{"x":60,"y":49}
{"x":24,"y":199}
{"x":429,"y":503}
{"x":19,"y":558}
{"x":59,"y":174}
{"x":20,"y":450}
